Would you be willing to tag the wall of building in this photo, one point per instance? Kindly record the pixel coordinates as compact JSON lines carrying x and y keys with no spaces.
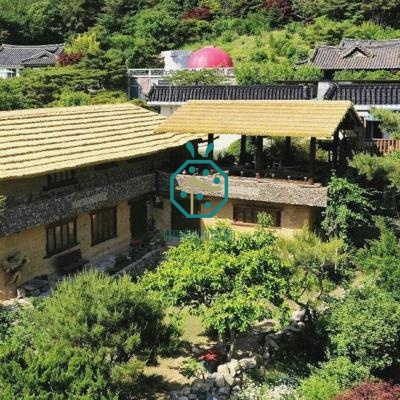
{"x":32,"y":243}
{"x":293,"y":217}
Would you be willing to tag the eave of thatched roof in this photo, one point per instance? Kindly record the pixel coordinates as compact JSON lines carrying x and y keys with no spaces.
{"x":42,"y":141}
{"x":296,"y":118}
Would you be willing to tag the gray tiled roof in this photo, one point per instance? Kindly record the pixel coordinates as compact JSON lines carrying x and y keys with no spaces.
{"x":180,"y":94}
{"x":368,"y":93}
{"x":358,"y":54}
{"x":15,"y":56}
{"x":345,"y":42}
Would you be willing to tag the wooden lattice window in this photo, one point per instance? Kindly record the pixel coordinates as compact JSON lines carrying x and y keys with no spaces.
{"x":59,"y":179}
{"x":104,"y":224}
{"x":61,"y":236}
{"x":248,"y":214}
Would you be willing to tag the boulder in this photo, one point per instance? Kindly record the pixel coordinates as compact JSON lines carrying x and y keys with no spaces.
{"x":248,"y":363}
{"x":223,"y":369}
{"x":198,"y":387}
{"x":220,"y":380}
{"x":233,"y":366}
{"x":228,"y":379}
{"x":293,"y":328}
{"x":224,"y":390}
{"x":298,"y":315}
{"x":185,"y":391}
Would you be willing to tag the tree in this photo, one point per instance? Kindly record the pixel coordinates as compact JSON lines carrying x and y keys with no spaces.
{"x":230,"y":280}
{"x":315,"y":264}
{"x":194,"y":78}
{"x":10,"y":97}
{"x":389,"y":122}
{"x":379,"y":170}
{"x":89,"y":340}
{"x":348,"y":211}
{"x":381,"y":258}
{"x":365,"y":327}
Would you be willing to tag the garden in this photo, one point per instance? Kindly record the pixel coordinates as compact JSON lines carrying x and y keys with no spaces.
{"x":234,"y":316}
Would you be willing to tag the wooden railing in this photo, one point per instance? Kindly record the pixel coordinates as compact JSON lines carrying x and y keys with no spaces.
{"x":379,"y":146}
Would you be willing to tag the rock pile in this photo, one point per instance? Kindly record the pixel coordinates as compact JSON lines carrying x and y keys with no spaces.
{"x":227,"y":381}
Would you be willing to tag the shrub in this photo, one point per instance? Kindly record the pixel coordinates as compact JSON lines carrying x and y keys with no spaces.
{"x":65,"y":59}
{"x":333,"y":376}
{"x":90,"y":339}
{"x":381,"y":258}
{"x":372,"y":391}
{"x":365,"y":327}
{"x":348,"y":212}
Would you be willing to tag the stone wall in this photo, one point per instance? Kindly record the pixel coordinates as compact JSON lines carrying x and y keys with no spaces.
{"x":266,"y":190}
{"x":15,"y":219}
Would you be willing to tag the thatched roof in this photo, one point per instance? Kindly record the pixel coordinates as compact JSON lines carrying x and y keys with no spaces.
{"x":296,"y":118}
{"x":41,"y":141}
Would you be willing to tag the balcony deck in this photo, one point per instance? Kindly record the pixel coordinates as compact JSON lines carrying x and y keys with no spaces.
{"x":379,"y":146}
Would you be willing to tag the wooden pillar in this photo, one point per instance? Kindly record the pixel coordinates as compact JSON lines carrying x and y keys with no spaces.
{"x":196,"y":149}
{"x":335,"y":149}
{"x":287,"y":149}
{"x":342,"y":155}
{"x":211,"y":141}
{"x":313,"y":155}
{"x":259,"y":155}
{"x":242,"y":157}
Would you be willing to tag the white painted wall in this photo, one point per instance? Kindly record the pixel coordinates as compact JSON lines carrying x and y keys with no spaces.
{"x":175,"y":60}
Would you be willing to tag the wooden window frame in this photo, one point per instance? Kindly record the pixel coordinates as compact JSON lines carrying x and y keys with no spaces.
{"x":60,"y":179}
{"x":95,"y":237}
{"x":51,"y":229}
{"x":255,"y":209}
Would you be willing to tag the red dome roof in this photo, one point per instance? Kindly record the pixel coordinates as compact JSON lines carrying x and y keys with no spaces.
{"x":210,"y":57}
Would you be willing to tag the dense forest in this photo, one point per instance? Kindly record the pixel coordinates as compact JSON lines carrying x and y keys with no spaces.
{"x":269,"y":40}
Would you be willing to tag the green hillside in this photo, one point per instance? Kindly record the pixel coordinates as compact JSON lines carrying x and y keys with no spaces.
{"x":269,"y":40}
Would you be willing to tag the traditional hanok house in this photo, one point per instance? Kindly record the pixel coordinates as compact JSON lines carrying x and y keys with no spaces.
{"x":167,"y":99}
{"x":77,"y":184}
{"x":293,"y":195}
{"x":367,"y":96}
{"x":14,"y":58}
{"x":356,"y":55}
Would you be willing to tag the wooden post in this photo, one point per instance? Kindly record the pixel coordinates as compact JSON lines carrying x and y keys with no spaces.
{"x":313,"y":154}
{"x":335,"y":149}
{"x":287,"y":149}
{"x":342,"y":155}
{"x":259,"y":155}
{"x":196,"y":149}
{"x":210,"y":141}
{"x":242,"y":157}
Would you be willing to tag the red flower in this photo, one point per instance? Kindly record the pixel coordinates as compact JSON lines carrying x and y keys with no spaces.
{"x":209,"y":356}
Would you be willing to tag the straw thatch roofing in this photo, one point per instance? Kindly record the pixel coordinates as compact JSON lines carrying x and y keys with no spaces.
{"x":40,"y":141}
{"x":296,"y":118}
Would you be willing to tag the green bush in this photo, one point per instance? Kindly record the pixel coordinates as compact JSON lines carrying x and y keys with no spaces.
{"x":331,"y":378}
{"x":365,"y":327}
{"x":89,"y":340}
{"x":381,"y":259}
{"x":348,"y":212}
